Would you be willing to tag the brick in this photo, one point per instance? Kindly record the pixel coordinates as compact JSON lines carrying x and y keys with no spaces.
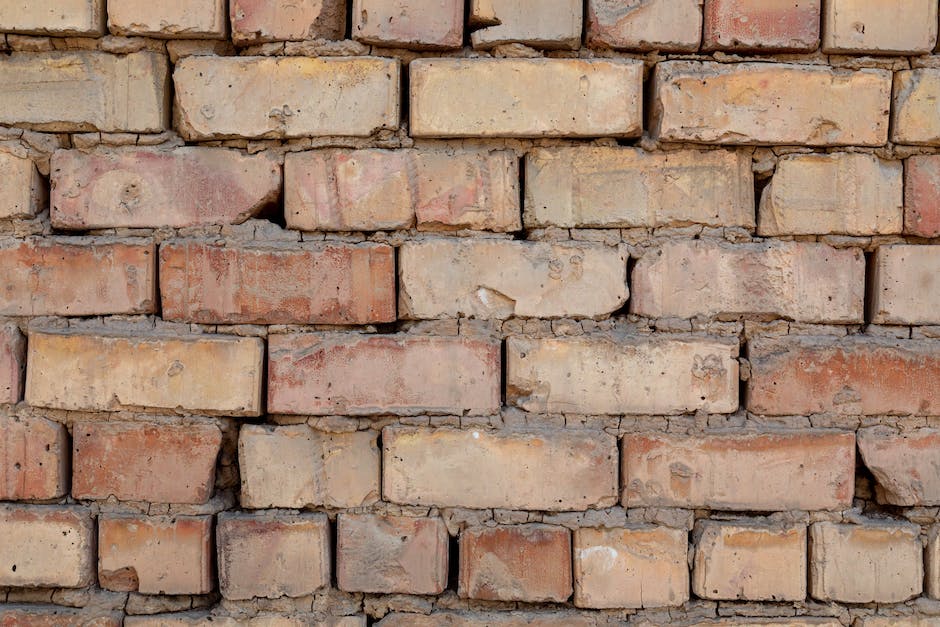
{"x":500,"y":278}
{"x":35,"y":615}
{"x":551,"y":618}
{"x":258,"y":21}
{"x":155,"y":188}
{"x":170,"y":19}
{"x":634,"y":567}
{"x":800,"y":621}
{"x":391,"y":554}
{"x":272,"y":555}
{"x":155,"y":554}
{"x":932,"y":560}
{"x":85,"y":91}
{"x":218,"y":97}
{"x":850,"y":376}
{"x":46,"y":546}
{"x":34,"y":459}
{"x":12,"y":363}
{"x":906,"y":285}
{"x":865,"y":563}
{"x":525,"y":97}
{"x":511,"y":470}
{"x":77,"y":277}
{"x":408,"y":23}
{"x":879,"y":26}
{"x":665,"y":25}
{"x":770,"y":103}
{"x":556,"y":24}
{"x":898,"y":621}
{"x":515,"y":563}
{"x":902,"y":464}
{"x":104,"y":372}
{"x":206,"y":619}
{"x":773,"y":471}
{"x":163,"y":462}
{"x":53,"y":17}
{"x":210,"y":283}
{"x":914,"y":115}
{"x":323,"y":374}
{"x":801,"y":281}
{"x":587,"y":375}
{"x":601,"y":187}
{"x":761,"y":25}
{"x":840,"y":193}
{"x":749,"y":561}
{"x":922,"y":196}
{"x":22,"y":190}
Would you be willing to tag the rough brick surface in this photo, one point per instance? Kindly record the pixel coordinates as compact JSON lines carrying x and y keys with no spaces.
{"x":932,"y":563}
{"x":169,"y":18}
{"x":557,"y":24}
{"x":906,"y":285}
{"x":902,"y":464}
{"x":35,"y":615}
{"x":54,"y":17}
{"x":408,"y":23}
{"x":761,"y":25}
{"x":22,"y":190}
{"x":922,"y":196}
{"x":256,"y":21}
{"x":666,"y":25}
{"x":914,"y":119}
{"x":879,"y":26}
{"x":46,"y":546}
{"x":12,"y":363}
{"x":34,"y":461}
{"x":262,"y":619}
{"x":554,"y":618}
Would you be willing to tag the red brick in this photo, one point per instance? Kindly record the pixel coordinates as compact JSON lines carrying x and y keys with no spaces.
{"x":46,"y":547}
{"x":256,"y":21}
{"x":294,"y":284}
{"x":34,"y":460}
{"x":12,"y":363}
{"x":903,"y":464}
{"x":53,"y":616}
{"x":762,"y":25}
{"x":922,"y":196}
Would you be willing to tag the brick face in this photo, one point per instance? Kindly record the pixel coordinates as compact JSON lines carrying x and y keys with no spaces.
{"x":906,"y":285}
{"x":921,"y":200}
{"x":256,"y":21}
{"x":762,"y":25}
{"x":22,"y":190}
{"x":54,"y":17}
{"x":169,"y":19}
{"x":902,"y":464}
{"x":666,"y":25}
{"x":12,"y":363}
{"x":913,"y":120}
{"x":408,"y":23}
{"x":879,"y":26}
{"x":46,"y":546}
{"x":34,"y":461}
{"x":556,"y":25}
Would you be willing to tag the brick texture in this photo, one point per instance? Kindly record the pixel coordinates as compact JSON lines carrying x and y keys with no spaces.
{"x":912,"y":120}
{"x":54,"y":17}
{"x":34,"y":461}
{"x":257,"y":21}
{"x":921,"y":200}
{"x":12,"y":363}
{"x":879,"y":26}
{"x":46,"y":546}
{"x":499,"y":22}
{"x":906,"y":285}
{"x":408,"y":23}
{"x":761,"y":25}
{"x":22,"y":190}
{"x":666,"y":25}
{"x":169,"y":19}
{"x":901,"y":464}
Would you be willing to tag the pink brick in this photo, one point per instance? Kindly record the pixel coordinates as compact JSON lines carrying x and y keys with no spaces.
{"x":408,"y":23}
{"x":922,"y":196}
{"x":34,"y":459}
{"x":903,"y":464}
{"x":762,"y":25}
{"x":256,"y":21}
{"x":12,"y":363}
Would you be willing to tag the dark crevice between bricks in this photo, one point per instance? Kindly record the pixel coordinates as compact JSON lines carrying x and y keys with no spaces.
{"x":349,"y":20}
{"x":503,"y":368}
{"x":453,"y":562}
{"x":742,"y":385}
{"x":466,"y":24}
{"x":870,"y":287}
{"x":333,"y":528}
{"x":404,"y":102}
{"x":520,"y":234}
{"x":761,"y":182}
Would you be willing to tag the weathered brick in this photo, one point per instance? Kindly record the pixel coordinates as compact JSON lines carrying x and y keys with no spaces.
{"x":153,"y":188}
{"x":874,"y":562}
{"x":53,"y":17}
{"x":914,"y":115}
{"x":489,"y":278}
{"x":633,"y":567}
{"x":906,"y":285}
{"x":77,"y":277}
{"x":35,"y":615}
{"x":12,"y":363}
{"x":515,"y":563}
{"x":556,"y":24}
{"x":206,"y":619}
{"x":770,"y":103}
{"x":902,"y":464}
{"x":774,"y":471}
{"x":272,"y":554}
{"x":525,"y":97}
{"x":601,"y":187}
{"x":749,"y":561}
{"x":85,"y":91}
{"x":155,"y":554}
{"x":550,"y":618}
{"x":257,"y":21}
{"x":322,"y":374}
{"x":879,"y":26}
{"x":586,"y":375}
{"x":391,"y":554}
{"x":46,"y":546}
{"x":800,"y":621}
{"x":922,"y":196}
{"x":408,"y":23}
{"x":802,"y":281}
{"x":34,"y":459}
{"x":666,"y":25}
{"x":104,"y":372}
{"x":169,"y":19}
{"x":898,"y":621}
{"x":22,"y":190}
{"x":761,"y":25}
{"x":543,"y":470}
{"x":296,"y":466}
{"x":932,"y":565}
{"x":852,"y":375}
{"x":841,"y":193}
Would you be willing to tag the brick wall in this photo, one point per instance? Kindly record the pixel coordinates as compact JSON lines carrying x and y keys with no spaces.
{"x":475,"y":314}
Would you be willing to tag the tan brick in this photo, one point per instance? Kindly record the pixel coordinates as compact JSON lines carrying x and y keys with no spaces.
{"x":549,"y":618}
{"x":545,"y":470}
{"x":587,"y":375}
{"x":758,"y":622}
{"x":257,"y":21}
{"x":525,"y":97}
{"x":554,"y":24}
{"x":914,"y":115}
{"x":922,"y":195}
{"x":53,"y":17}
{"x":841,"y":193}
{"x":902,"y":464}
{"x":46,"y":546}
{"x":77,"y":277}
{"x":515,"y":563}
{"x":34,"y":459}
{"x":85,"y":91}
{"x":633,"y":567}
{"x":770,"y":103}
{"x":153,"y":188}
{"x":906,"y":285}
{"x":205,"y":619}
{"x":272,"y":554}
{"x":761,"y":25}
{"x":218,"y":97}
{"x":12,"y":363}
{"x":22,"y":190}
{"x":932,"y":559}
{"x":749,"y":561}
{"x":323,"y":374}
{"x":169,"y":19}
{"x":431,"y":24}
{"x":774,"y":471}
{"x":801,"y":281}
{"x":667,"y":25}
{"x":35,"y":615}
{"x":880,"y":562}
{"x":879,"y":26}
{"x":898,"y":621}
{"x":601,"y":187}
{"x":391,"y":554}
{"x":296,"y":466}
{"x":104,"y":372}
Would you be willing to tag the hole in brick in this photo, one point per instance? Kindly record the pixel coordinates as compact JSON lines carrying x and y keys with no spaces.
{"x":453,"y":562}
{"x":869,"y":287}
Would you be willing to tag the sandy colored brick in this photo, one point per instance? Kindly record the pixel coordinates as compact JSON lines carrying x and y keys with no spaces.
{"x":906,"y":284}
{"x":391,"y":554}
{"x":874,"y":562}
{"x":898,"y":621}
{"x":851,"y":376}
{"x":535,"y":470}
{"x":796,"y":621}
{"x":271,"y":555}
{"x":85,"y":91}
{"x":603,"y":187}
{"x":296,"y":466}
{"x":922,"y":196}
{"x":257,"y":21}
{"x":263,"y":619}
{"x":761,"y":25}
{"x":914,"y":114}
{"x":218,"y":97}
{"x":487,"y":97}
{"x":103,"y":372}
{"x":46,"y":547}
{"x":932,"y":566}
{"x":664,"y":25}
{"x":171,"y":19}
{"x":770,"y":103}
{"x":802,"y":281}
{"x":529,"y":563}
{"x":22,"y":189}
{"x":35,"y":615}
{"x":323,"y":374}
{"x":633,"y":567}
{"x":903,"y":464}
{"x":553,"y":24}
{"x":772,"y":471}
{"x":585,"y":375}
{"x":12,"y":363}
{"x":420,"y":24}
{"x":53,"y":17}
{"x":749,"y":561}
{"x":840,"y":193}
{"x":34,"y":458}
{"x":879,"y":26}
{"x":548,"y":618}
{"x":154,"y":188}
